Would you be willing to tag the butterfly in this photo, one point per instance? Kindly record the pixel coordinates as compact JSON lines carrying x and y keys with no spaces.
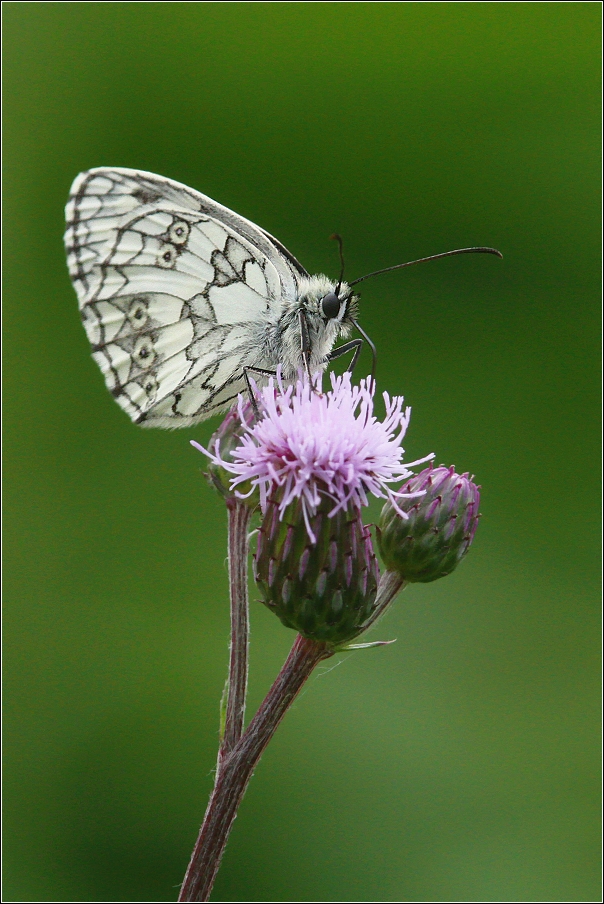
{"x":181,"y":297}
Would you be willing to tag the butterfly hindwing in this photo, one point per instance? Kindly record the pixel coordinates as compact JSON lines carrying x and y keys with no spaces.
{"x":174,"y":290}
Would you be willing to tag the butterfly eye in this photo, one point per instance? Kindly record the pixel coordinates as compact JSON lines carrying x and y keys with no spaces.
{"x":331,"y":305}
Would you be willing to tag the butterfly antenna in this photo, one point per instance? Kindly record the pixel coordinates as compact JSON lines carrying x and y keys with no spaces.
{"x":433,"y":257}
{"x":338,"y":238}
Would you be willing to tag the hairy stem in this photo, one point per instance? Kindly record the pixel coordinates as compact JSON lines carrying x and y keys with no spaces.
{"x":238,"y":765}
{"x":239,"y":519}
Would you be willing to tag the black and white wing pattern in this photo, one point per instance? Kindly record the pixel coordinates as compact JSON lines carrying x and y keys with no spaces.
{"x":177,"y":293}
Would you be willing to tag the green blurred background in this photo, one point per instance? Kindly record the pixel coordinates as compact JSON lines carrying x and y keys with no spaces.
{"x":462,"y":763}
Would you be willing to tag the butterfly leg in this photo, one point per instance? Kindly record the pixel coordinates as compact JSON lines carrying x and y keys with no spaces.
{"x":246,"y":377}
{"x":305,"y":343}
{"x":355,"y":345}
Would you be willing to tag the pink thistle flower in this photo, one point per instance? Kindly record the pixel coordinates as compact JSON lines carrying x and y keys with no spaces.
{"x":314,"y":445}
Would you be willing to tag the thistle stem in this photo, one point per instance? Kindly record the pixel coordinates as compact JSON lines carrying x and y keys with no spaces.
{"x":238,"y":764}
{"x":239,"y":519}
{"x":389,"y":586}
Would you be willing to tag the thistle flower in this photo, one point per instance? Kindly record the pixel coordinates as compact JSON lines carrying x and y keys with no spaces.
{"x":438,"y":528}
{"x":315,"y":458}
{"x":315,"y":446}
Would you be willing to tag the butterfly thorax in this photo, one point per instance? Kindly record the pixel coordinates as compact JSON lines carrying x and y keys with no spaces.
{"x":323,"y":332}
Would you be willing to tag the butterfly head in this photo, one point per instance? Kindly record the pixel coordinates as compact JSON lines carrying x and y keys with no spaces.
{"x":329,"y":305}
{"x":328,"y":310}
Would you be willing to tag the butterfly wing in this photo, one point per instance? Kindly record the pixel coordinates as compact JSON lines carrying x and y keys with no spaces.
{"x":176,"y":292}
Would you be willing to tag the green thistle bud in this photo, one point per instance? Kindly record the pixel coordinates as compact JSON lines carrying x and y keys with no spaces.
{"x":324,"y":590}
{"x":439,"y":529}
{"x":222,"y":443}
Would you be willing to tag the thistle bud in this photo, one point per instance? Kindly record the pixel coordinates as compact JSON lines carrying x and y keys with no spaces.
{"x":222,"y":443}
{"x":436,"y":534}
{"x":324,"y":589}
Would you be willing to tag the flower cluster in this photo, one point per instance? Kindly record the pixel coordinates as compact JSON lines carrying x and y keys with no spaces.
{"x":312,"y":459}
{"x":308,"y":461}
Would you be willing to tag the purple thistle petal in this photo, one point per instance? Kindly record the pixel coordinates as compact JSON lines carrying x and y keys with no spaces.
{"x":316,"y":445}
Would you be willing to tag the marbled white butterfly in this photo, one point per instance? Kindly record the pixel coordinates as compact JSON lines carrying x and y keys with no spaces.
{"x":179,"y":296}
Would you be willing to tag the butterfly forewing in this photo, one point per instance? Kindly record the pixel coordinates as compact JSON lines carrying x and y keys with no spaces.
{"x":175,"y":292}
